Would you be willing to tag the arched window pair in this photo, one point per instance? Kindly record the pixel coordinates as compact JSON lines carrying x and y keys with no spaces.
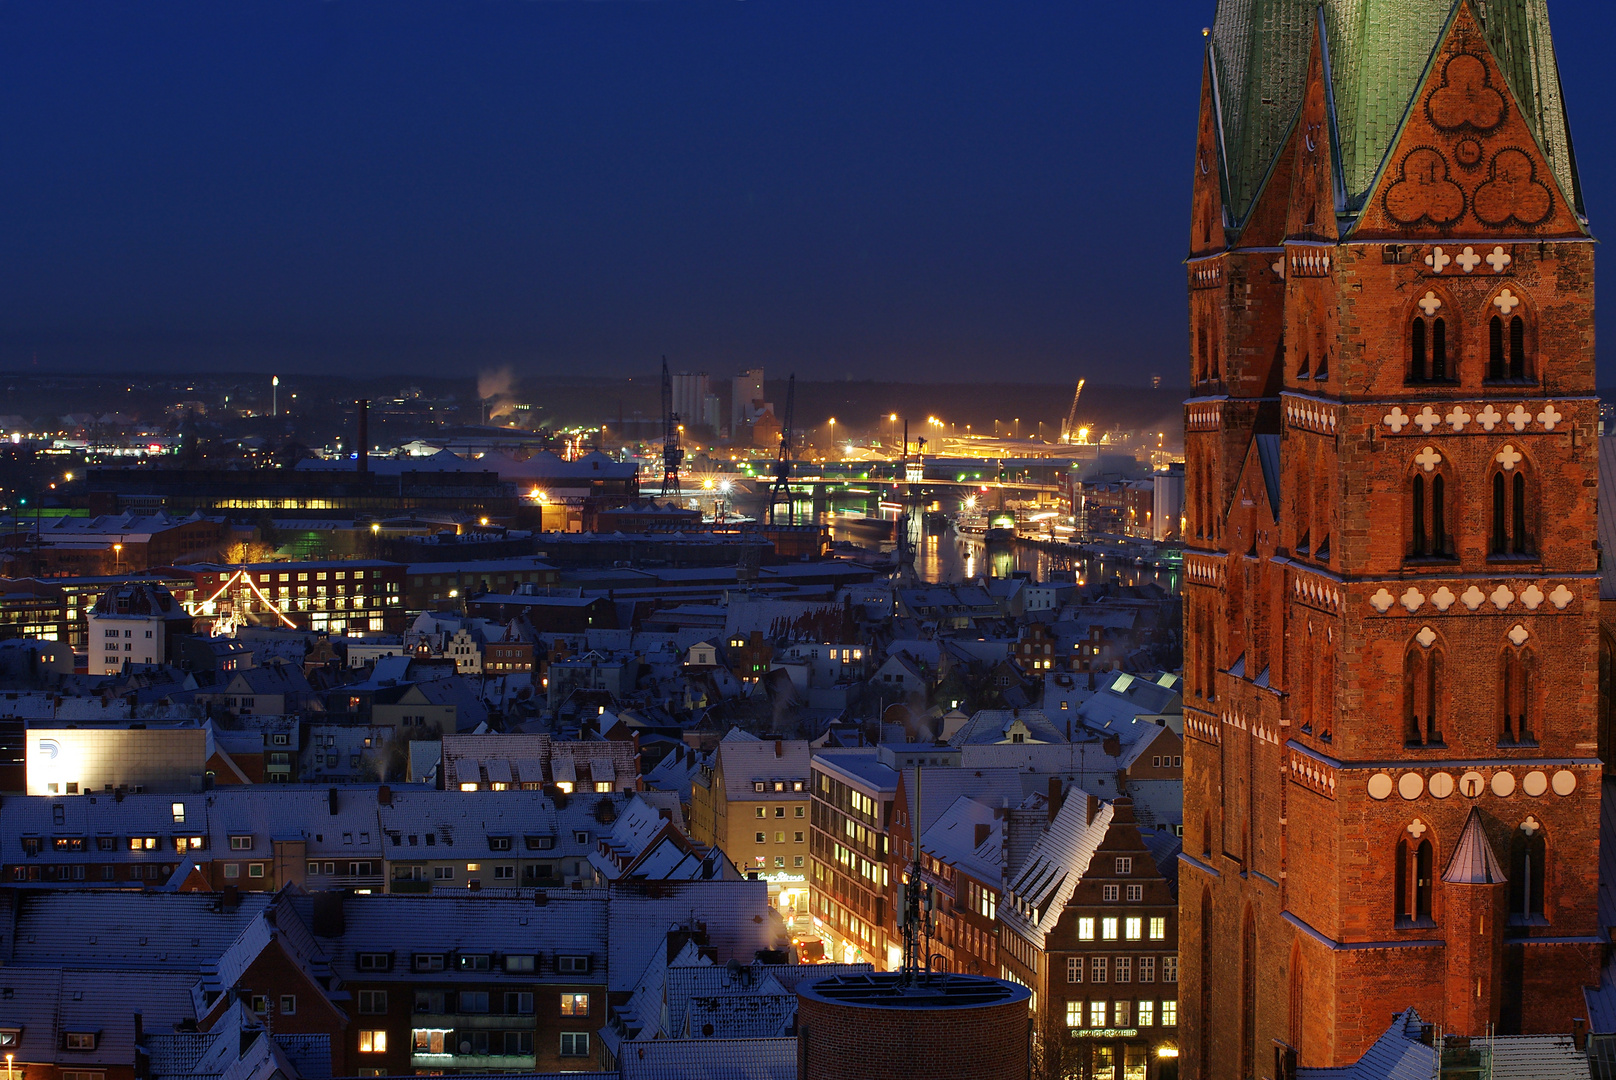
{"x":1422,"y":670}
{"x":1509,"y":517}
{"x":1429,"y":537}
{"x":1506,"y":349}
{"x":1517,"y":676}
{"x":1428,"y":351}
{"x":1415,"y":870}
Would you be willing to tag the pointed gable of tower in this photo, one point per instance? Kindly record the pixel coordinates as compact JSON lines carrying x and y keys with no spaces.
{"x":1466,"y":161}
{"x":1206,"y":210}
{"x":1254,"y":502}
{"x":1265,"y":225}
{"x":1313,"y":202}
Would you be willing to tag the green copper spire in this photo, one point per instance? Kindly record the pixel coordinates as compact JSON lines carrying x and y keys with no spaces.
{"x":1377,"y":53}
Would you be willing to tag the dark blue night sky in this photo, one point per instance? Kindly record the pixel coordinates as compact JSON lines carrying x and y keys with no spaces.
{"x":917,"y":191}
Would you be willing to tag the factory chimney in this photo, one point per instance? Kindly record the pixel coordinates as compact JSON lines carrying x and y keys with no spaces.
{"x":364,"y":435}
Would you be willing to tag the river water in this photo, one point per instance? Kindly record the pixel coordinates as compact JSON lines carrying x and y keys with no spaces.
{"x":949,"y":557}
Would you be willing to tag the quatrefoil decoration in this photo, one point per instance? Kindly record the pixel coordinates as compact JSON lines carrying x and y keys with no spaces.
{"x":1531,"y":596}
{"x":1426,"y":419}
{"x":1549,"y":417}
{"x":1508,"y":457}
{"x":1488,"y":417}
{"x":1437,"y":260}
{"x":1396,"y":419}
{"x":1530,"y":825}
{"x":1428,"y":459}
{"x":1472,"y":598}
{"x":1382,"y":600}
{"x":1502,"y":598}
{"x":1426,"y":637}
{"x":1467,"y":259}
{"x":1499,"y":259}
{"x":1561,"y":596}
{"x":1457,"y":418}
{"x":1518,"y":635}
{"x":1412,"y":599}
{"x":1519,"y":417}
{"x":1430,"y":303}
{"x":1506,"y":301}
{"x":1416,"y":828}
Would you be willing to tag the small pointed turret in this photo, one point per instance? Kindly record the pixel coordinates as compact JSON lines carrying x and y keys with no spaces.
{"x":1475,"y":893}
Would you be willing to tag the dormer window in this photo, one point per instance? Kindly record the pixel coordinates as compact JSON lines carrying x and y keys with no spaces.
{"x":79,"y":1040}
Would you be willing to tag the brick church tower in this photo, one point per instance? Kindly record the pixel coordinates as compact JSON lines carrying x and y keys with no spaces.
{"x":1392,"y":785}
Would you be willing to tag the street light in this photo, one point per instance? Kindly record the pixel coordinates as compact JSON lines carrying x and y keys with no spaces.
{"x":117,"y":553}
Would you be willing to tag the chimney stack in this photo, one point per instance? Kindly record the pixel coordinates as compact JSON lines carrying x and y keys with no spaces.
{"x":1094,"y":808}
{"x":364,"y":435}
{"x":1056,"y":795}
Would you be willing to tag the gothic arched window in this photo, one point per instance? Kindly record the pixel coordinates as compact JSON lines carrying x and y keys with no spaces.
{"x":1248,"y":995}
{"x":1517,"y":672}
{"x":1413,"y":882}
{"x":1421,"y":671}
{"x":1528,"y":867}
{"x":1203,"y":1022}
{"x":1428,"y":516}
{"x":1512,"y":516}
{"x":1424,"y":867}
{"x":1428,"y":351}
{"x":1506,"y":349}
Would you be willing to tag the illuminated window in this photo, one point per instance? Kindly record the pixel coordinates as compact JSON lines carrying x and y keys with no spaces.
{"x":1108,"y":928}
{"x":1158,"y":928}
{"x":1074,"y":1014}
{"x":1169,"y":1013}
{"x":574,"y":1004}
{"x":1135,"y":928}
{"x":373,"y":1042}
{"x":1085,"y":929}
{"x":179,"y":812}
{"x":1097,"y":1014}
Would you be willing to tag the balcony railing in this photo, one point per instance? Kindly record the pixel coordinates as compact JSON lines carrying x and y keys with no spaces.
{"x":475,"y":1062}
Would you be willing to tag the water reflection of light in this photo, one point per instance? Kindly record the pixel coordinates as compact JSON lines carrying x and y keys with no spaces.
{"x":949,"y":557}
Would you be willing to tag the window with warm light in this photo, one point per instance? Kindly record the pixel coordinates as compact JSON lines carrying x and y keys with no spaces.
{"x":373,"y":1042}
{"x":574,"y":1004}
